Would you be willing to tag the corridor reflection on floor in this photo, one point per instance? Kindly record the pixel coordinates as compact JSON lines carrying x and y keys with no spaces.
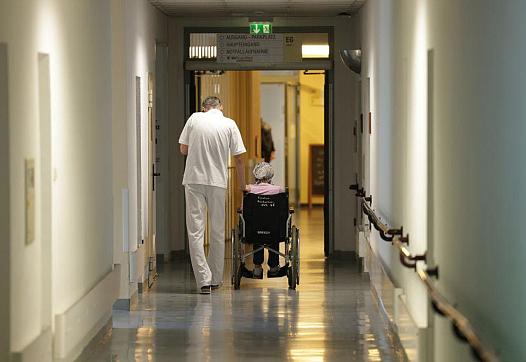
{"x":332,"y":316}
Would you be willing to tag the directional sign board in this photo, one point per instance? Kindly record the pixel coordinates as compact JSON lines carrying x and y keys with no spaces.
{"x":246,"y":48}
{"x":260,"y":28}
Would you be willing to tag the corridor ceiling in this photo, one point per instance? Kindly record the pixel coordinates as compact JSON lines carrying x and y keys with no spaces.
{"x":255,"y":8}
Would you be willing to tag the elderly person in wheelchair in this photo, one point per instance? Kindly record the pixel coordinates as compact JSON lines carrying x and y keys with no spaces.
{"x":263,"y":174}
{"x":265,"y":221}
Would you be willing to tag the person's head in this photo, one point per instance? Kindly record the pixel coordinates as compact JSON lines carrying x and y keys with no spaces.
{"x":212,"y":103}
{"x":263,"y":172}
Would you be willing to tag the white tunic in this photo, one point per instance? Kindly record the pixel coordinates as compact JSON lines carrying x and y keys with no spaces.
{"x":211,"y":139}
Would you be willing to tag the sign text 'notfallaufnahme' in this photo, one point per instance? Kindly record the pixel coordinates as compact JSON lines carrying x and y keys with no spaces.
{"x":250,"y":48}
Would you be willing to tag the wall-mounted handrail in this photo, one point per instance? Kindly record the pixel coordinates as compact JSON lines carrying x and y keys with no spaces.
{"x":461,"y":325}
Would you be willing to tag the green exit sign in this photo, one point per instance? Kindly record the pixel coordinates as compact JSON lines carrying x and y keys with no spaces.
{"x":260,"y":28}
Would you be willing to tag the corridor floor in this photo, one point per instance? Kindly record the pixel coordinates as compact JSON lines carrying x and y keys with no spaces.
{"x":332,"y":316}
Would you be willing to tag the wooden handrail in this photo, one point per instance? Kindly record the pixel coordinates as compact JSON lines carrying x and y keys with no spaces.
{"x":461,"y":326}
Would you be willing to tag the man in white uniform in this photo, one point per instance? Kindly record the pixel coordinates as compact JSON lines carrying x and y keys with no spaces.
{"x":209,"y":138}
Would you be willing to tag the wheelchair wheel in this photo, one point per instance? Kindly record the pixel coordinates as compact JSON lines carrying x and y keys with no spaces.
{"x":236,"y":259}
{"x":233,"y":254}
{"x":296,"y":250}
{"x":293,"y":272}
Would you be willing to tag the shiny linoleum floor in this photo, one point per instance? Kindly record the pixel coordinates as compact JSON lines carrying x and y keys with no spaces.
{"x":332,"y":316}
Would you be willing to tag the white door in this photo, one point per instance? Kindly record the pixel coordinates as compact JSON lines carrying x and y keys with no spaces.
{"x":46,"y":209}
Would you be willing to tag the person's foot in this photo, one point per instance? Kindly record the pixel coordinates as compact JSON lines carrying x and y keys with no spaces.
{"x":207,"y":289}
{"x":258,"y":272}
{"x":245,"y":273}
{"x":216,"y":286}
{"x":277,"y":271}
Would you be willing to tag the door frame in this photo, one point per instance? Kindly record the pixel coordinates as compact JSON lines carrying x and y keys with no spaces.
{"x":161,"y":177}
{"x":324,"y":64}
{"x":328,"y":170}
{"x":5,"y":267}
{"x":151,"y":254}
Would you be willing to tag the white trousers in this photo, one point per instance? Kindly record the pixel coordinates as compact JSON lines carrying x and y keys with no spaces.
{"x":199,"y":200}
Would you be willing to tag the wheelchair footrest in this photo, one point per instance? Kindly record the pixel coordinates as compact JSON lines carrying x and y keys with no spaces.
{"x":281,"y":273}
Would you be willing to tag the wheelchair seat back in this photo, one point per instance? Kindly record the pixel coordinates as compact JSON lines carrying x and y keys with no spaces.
{"x":265,"y":218}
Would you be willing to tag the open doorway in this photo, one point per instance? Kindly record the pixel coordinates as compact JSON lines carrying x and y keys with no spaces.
{"x":289,"y":106}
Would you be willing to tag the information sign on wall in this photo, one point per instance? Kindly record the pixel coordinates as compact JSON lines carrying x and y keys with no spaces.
{"x":250,"y":48}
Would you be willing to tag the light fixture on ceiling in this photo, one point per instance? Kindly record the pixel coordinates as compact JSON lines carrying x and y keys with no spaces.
{"x":352,"y":58}
{"x":315,"y":51}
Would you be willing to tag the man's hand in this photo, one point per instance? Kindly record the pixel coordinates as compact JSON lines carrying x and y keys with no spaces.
{"x":183,"y":149}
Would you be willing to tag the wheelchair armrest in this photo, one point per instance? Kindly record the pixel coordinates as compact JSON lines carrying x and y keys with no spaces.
{"x":291,"y":210}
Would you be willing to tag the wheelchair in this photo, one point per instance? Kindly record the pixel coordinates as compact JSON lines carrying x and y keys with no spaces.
{"x":264,"y":220}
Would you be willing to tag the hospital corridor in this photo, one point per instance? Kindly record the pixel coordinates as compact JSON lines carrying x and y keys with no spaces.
{"x":297,"y":180}
{"x":264,"y":320}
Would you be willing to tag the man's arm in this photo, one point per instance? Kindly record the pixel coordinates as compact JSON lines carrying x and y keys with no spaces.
{"x":240,"y":168}
{"x":183,"y":148}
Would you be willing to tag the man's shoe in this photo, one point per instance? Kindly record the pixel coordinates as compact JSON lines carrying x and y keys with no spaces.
{"x":207,"y":289}
{"x":216,"y":286}
{"x":258,"y":272}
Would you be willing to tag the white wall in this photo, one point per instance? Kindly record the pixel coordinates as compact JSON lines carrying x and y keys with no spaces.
{"x":346,"y":110}
{"x":479,"y":167}
{"x":136,"y":28}
{"x":472,"y":195}
{"x":81,"y":134}
{"x":75,"y":36}
{"x":398,"y":134}
{"x":4,"y":207}
{"x":346,"y":36}
{"x":85,"y":97}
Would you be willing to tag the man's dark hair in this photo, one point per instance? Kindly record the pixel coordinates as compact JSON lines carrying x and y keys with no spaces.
{"x":211,"y":102}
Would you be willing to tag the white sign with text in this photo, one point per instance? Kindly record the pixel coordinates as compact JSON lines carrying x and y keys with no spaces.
{"x":247,"y":48}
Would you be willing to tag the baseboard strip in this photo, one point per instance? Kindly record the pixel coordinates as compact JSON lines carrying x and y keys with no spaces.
{"x":38,"y":350}
{"x":79,"y":324}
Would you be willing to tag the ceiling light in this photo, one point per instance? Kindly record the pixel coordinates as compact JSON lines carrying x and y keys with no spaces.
{"x":315,"y":51}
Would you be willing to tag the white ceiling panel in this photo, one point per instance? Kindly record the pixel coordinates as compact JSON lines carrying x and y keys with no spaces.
{"x":205,"y":8}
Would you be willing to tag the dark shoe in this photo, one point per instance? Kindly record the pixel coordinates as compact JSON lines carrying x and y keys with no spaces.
{"x":258,"y":272}
{"x":207,"y":289}
{"x":277,"y":271}
{"x":216,"y":286}
{"x":245,"y":273}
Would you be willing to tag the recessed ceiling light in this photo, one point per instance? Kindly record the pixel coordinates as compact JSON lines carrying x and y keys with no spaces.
{"x":315,"y":51}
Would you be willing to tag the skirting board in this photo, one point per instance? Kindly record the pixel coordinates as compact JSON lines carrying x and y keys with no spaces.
{"x":126,"y":304}
{"x":392,"y":305}
{"x":38,"y":350}
{"x":80,"y":323}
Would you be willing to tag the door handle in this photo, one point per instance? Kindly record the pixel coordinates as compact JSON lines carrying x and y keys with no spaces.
{"x":154,"y":175}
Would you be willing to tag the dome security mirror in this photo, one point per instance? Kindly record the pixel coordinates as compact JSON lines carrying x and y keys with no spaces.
{"x":352,"y":58}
